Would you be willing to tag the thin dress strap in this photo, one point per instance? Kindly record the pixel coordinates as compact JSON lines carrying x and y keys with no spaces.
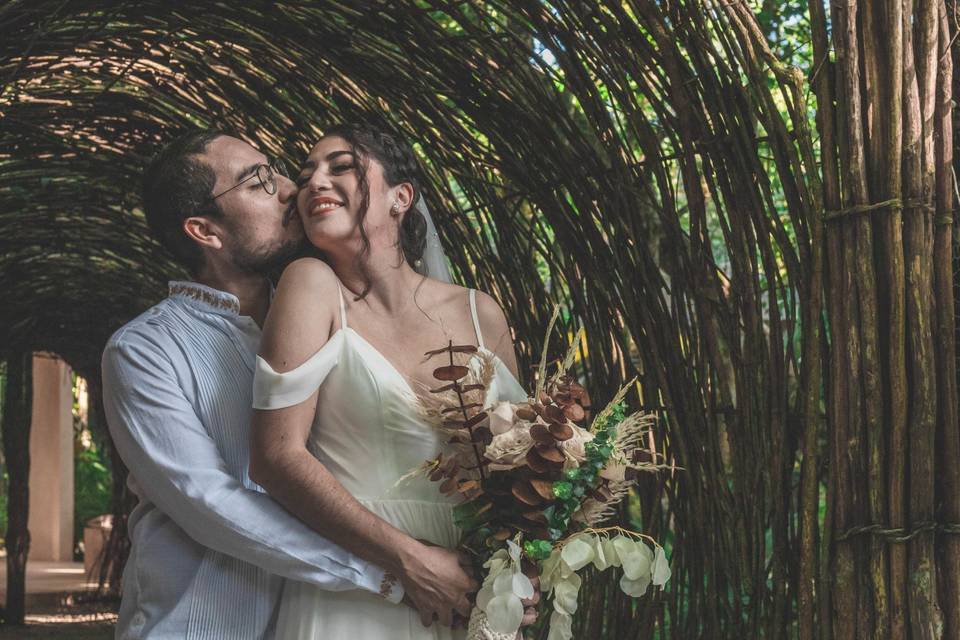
{"x":476,"y":322}
{"x":343,"y":308}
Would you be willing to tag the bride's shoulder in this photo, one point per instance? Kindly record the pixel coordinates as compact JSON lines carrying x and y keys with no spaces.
{"x":308,"y":270}
{"x":308,"y":274}
{"x":490,"y":313}
{"x":454,"y":294}
{"x":300,"y":319}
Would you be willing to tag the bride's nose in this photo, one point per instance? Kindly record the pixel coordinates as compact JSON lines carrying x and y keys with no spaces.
{"x":319,"y":181}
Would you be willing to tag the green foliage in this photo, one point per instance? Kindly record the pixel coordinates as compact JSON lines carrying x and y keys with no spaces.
{"x":92,"y":488}
{"x":579,"y":481}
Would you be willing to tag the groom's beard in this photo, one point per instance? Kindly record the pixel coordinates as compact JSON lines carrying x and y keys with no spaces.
{"x":270,"y":261}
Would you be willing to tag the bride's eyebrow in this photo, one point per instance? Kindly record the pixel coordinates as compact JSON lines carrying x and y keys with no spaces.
{"x":336,"y":154}
{"x":310,"y":164}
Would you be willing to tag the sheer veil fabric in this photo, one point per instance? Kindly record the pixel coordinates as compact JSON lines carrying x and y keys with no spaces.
{"x":434,"y":259}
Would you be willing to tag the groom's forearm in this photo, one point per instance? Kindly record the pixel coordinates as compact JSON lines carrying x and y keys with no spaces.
{"x":306,"y":488}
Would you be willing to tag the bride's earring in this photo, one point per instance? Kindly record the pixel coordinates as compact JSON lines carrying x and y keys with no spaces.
{"x":395,"y":209}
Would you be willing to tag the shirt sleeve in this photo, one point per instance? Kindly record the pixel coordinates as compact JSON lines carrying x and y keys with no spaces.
{"x":178,"y":467}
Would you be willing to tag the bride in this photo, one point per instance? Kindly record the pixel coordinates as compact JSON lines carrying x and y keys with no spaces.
{"x":342,"y":353}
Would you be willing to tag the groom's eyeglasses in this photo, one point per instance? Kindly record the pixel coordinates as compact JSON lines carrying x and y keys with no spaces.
{"x":266,"y":174}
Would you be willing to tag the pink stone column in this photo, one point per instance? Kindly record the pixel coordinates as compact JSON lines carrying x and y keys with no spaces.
{"x":51,"y":461}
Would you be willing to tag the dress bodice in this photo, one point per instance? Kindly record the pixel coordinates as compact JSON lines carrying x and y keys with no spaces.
{"x":366,"y":429}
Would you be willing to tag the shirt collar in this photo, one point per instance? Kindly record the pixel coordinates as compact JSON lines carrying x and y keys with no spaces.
{"x":205,"y":298}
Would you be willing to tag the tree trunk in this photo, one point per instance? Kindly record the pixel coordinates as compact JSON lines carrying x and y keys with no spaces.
{"x":17,"y":414}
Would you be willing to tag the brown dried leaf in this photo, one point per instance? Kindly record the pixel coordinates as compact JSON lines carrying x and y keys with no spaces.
{"x":540,"y":433}
{"x":448,"y":486}
{"x":553,"y":413}
{"x":574,"y":412}
{"x":523,"y":492}
{"x":536,"y":462}
{"x":561,"y":431}
{"x":543,"y":487}
{"x":467,"y":485}
{"x":451,"y":372}
{"x":536,"y":516}
{"x":550,"y":454}
{"x":526,"y":413}
{"x":577,"y":391}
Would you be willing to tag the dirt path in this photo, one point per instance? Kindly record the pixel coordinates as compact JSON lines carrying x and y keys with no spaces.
{"x":61,"y":617}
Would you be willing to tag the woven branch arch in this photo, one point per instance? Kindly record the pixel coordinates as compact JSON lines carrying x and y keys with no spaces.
{"x":650,"y":165}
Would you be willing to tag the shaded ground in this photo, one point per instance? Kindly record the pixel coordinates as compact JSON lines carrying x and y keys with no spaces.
{"x":61,"y":616}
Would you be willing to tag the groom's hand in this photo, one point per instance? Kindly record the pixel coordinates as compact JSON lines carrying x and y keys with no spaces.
{"x":436,"y":583}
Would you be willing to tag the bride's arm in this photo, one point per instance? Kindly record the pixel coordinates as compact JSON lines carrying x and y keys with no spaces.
{"x":299,"y":323}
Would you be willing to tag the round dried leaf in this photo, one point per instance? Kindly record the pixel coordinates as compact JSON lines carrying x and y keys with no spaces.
{"x":535,"y":515}
{"x":543,"y":487}
{"x":523,"y":492}
{"x":526,"y":413}
{"x":540,"y":433}
{"x":561,"y":431}
{"x":467,"y":485}
{"x":553,"y":413}
{"x":451,"y":372}
{"x":574,"y":412}
{"x":536,"y":462}
{"x":551,"y":454}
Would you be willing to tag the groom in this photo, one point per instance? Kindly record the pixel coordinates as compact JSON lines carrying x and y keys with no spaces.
{"x":209,"y":548}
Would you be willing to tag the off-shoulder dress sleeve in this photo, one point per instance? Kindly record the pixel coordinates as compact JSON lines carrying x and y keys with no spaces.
{"x":272,"y":390}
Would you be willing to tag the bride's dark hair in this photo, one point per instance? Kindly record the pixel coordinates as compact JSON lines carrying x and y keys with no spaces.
{"x":399,"y":165}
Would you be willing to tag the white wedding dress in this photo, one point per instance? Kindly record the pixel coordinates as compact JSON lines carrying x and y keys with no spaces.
{"x":367,"y":432}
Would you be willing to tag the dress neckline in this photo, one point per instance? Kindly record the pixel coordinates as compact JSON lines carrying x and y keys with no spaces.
{"x":407,"y":382}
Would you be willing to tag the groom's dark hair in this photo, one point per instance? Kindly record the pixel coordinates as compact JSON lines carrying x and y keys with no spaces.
{"x":178,"y":185}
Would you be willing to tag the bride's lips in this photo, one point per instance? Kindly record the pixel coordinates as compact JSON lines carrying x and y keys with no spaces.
{"x":320,"y":205}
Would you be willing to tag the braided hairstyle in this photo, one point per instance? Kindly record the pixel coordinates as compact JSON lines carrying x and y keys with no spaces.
{"x":399,"y":165}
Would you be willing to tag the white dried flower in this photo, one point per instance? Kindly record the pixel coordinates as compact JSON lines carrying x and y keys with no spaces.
{"x":501,"y":417}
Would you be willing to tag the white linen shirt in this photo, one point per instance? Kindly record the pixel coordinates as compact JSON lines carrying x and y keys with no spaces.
{"x":209,"y":548}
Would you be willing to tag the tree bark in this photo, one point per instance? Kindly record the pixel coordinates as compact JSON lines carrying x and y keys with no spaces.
{"x":948,"y":429}
{"x":17,"y":414}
